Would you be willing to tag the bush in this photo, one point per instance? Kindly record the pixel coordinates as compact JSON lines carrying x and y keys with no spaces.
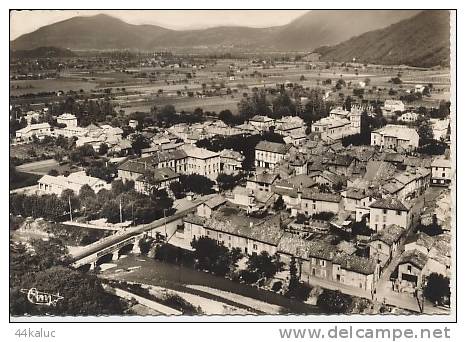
{"x":145,"y":244}
{"x":248,"y":277}
{"x":323,"y":215}
{"x":437,"y":289}
{"x":334,"y":302}
{"x":178,"y":303}
{"x":277,"y":286}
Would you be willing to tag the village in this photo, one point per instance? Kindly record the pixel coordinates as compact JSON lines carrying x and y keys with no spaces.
{"x":371,"y":220}
{"x":246,"y":172}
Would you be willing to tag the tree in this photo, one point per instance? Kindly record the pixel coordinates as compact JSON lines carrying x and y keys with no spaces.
{"x":282,"y":106}
{"x":166,"y":114}
{"x":145,"y":244}
{"x":265,"y":265}
{"x":139,"y":142}
{"x":294,"y":280}
{"x":106,"y":173}
{"x":348,"y":103}
{"x":432,"y":229}
{"x":227,"y":117}
{"x":214,"y":257}
{"x":425,"y":132}
{"x":315,"y":108}
{"x":177,"y":189}
{"x":53,"y":173}
{"x":279,"y":203}
{"x":103,"y":149}
{"x":197,"y":183}
{"x":437,"y":289}
{"x":296,"y":289}
{"x":226,"y":181}
{"x":82,"y":294}
{"x":334,"y":302}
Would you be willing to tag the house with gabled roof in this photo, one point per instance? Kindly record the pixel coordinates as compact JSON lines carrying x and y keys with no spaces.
{"x":269,"y":154}
{"x":412,"y":269}
{"x":441,"y":168}
{"x":385,"y":243}
{"x":355,"y":271}
{"x":390,"y":210}
{"x":262,"y":181}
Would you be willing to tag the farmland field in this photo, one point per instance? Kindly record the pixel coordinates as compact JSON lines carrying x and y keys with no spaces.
{"x":48,"y":85}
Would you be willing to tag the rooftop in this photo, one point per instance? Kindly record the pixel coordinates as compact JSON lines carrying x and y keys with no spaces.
{"x":415,"y":258}
{"x":398,"y":131}
{"x":390,"y":203}
{"x":272,"y":147}
{"x":389,"y":235}
{"x":355,"y":263}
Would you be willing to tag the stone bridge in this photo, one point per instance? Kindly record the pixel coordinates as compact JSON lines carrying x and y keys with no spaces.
{"x":125,"y":241}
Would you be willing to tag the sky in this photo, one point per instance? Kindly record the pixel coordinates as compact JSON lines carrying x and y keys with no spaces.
{"x":28,"y":21}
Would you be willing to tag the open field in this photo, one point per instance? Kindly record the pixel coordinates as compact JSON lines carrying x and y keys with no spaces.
{"x":22,"y":87}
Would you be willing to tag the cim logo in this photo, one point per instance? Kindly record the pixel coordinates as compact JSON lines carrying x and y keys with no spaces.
{"x":41,"y":298}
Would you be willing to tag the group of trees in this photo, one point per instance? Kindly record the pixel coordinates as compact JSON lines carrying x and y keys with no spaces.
{"x":437,"y":289}
{"x":49,"y":206}
{"x":252,"y":105}
{"x":228,"y":181}
{"x":45,"y":269}
{"x":135,"y":206}
{"x":167,"y":116}
{"x":197,"y":184}
{"x":86,"y":111}
{"x":334,"y":302}
{"x":432,"y":229}
{"x":260,"y":267}
{"x":214,"y":257}
{"x":296,"y":289}
{"x":315,"y":108}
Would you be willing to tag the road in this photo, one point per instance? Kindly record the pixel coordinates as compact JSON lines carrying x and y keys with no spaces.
{"x":145,"y":270}
{"x":384,"y":290}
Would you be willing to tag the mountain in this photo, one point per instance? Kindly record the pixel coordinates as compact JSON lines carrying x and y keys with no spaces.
{"x":423,"y":41}
{"x":43,"y":52}
{"x":327,"y":27}
{"x":313,"y":29}
{"x":99,"y":32}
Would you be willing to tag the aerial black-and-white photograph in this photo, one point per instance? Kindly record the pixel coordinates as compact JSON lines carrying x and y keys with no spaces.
{"x":167,"y":163}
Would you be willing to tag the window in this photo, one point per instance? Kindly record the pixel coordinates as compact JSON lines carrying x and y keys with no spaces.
{"x":254,"y":246}
{"x":322,"y":263}
{"x":385,"y":211}
{"x":219,"y":236}
{"x":398,"y":212}
{"x":379,"y":246}
{"x":409,"y":268}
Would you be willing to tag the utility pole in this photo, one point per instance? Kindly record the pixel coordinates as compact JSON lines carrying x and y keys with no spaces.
{"x":132,"y":212}
{"x":71,"y":211}
{"x":121,"y":213}
{"x":165,"y":223}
